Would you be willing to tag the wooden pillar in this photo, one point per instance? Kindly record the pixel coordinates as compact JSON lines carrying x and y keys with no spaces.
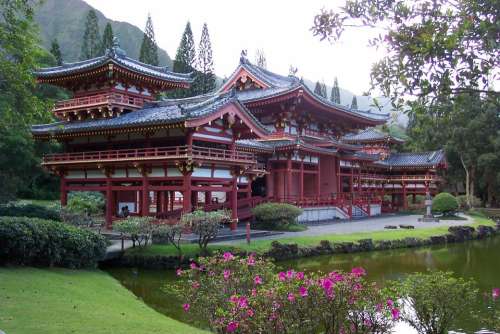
{"x":171,"y":199}
{"x":339,"y":178}
{"x":145,"y":196}
{"x":318,"y":180}
{"x":64,"y":192}
{"x":351,"y":180}
{"x":186,"y":193}
{"x":269,"y":178}
{"x":109,"y":204}
{"x":414,"y":198}
{"x":208,"y":197}
{"x":405,"y":201}
{"x":301,"y":182}
{"x":288,"y":179}
{"x":234,"y":203}
{"x":249,"y":186}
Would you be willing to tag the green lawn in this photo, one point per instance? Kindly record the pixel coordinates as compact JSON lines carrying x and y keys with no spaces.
{"x":260,"y":246}
{"x":54,"y":301}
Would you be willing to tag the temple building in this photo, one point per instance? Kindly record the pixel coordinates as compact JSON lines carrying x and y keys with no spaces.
{"x":260,"y":137}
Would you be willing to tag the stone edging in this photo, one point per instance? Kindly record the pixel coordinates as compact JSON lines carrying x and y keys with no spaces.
{"x":280,"y":252}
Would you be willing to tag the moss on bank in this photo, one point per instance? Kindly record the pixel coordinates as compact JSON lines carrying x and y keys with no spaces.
{"x":61,"y":301}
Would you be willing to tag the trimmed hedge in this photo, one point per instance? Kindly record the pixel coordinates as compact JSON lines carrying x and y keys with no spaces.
{"x":445,"y":203}
{"x":29,"y":210}
{"x":276,"y":215}
{"x":38,"y":242}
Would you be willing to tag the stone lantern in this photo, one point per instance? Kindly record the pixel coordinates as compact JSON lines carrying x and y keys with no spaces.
{"x":428,"y":217}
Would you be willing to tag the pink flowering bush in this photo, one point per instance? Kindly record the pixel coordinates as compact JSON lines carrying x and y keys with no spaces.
{"x":245,"y":295}
{"x":490,"y":317}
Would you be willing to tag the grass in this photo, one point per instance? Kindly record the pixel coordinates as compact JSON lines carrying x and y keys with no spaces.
{"x":261,"y":246}
{"x":63,"y":301}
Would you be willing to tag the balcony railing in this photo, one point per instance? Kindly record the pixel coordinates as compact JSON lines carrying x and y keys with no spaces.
{"x":153,"y":153}
{"x":399,"y":177}
{"x":100,"y":99}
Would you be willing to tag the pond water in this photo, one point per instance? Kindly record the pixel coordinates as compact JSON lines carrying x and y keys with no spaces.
{"x":474,"y":259}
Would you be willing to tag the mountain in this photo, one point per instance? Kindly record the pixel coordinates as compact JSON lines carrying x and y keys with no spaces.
{"x":65,"y":20}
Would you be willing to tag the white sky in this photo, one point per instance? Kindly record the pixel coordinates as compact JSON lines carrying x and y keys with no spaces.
{"x":280,"y":28}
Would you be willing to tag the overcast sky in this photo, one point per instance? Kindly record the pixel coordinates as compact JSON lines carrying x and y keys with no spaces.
{"x":280,"y":28}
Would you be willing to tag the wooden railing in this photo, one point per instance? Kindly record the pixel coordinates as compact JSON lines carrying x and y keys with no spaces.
{"x":335,"y":199}
{"x":152,"y":153}
{"x":99,"y":99}
{"x":399,"y":177}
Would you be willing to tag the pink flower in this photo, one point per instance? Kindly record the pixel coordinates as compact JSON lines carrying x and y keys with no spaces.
{"x":257,"y":280}
{"x":234,"y":299}
{"x":335,"y":276}
{"x":232,"y":326}
{"x":243,"y":302}
{"x":390,"y":303}
{"x":195,"y":285}
{"x":178,"y":272}
{"x":300,"y":275}
{"x":367,"y":323}
{"x":251,"y":261}
{"x":395,"y":314}
{"x":282,"y":276}
{"x":250,"y":312}
{"x":358,"y":271}
{"x":303,"y":291}
{"x":290,"y":274}
{"x":227,"y":273}
{"x":254,"y":292}
{"x":186,"y":307}
{"x":495,"y":293}
{"x":291,"y":297}
{"x":228,"y":256}
{"x":193,"y":265}
{"x":327,"y":284}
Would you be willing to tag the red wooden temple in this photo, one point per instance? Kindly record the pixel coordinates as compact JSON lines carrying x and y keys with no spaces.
{"x":260,"y":137}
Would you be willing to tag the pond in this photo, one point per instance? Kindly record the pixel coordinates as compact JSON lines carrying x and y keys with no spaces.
{"x":474,"y":259}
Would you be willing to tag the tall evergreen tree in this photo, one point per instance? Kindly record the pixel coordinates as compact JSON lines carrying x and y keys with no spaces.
{"x":56,"y":51}
{"x":205,"y":63}
{"x":335,"y":94}
{"x":320,"y":89}
{"x":323,"y":90}
{"x":186,"y":53}
{"x":354,"y":103}
{"x":107,"y":38}
{"x":149,"y":50}
{"x":260,"y":58}
{"x":317,"y":88}
{"x":91,"y":45}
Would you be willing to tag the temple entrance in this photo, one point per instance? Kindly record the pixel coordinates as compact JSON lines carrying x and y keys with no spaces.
{"x":259,"y":187}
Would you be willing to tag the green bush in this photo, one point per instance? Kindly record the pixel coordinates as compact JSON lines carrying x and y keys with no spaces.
{"x":462,"y":202}
{"x":38,"y":242}
{"x":86,"y":202}
{"x":445,"y":203}
{"x":139,"y":229}
{"x":29,"y":210}
{"x":276,"y":215}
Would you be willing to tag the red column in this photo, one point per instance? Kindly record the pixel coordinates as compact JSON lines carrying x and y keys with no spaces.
{"x":318,"y":180}
{"x":234,"y":203}
{"x":301,"y":184}
{"x":208,"y":197}
{"x":269,"y":178}
{"x":351,"y":181}
{"x":109,"y":204}
{"x":405,"y":201}
{"x":249,"y":187}
{"x":288,"y":177}
{"x":64,"y":192}
{"x":339,"y":179}
{"x":186,"y":194}
{"x":145,"y":196}
{"x":171,"y":199}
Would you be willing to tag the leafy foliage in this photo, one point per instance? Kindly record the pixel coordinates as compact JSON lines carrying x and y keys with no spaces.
{"x":55,"y":50}
{"x":320,"y":89}
{"x":86,"y":202}
{"x":206,"y":80}
{"x":29,"y":210}
{"x":206,"y":225}
{"x":433,"y":48}
{"x":107,"y":38}
{"x":335,"y":94}
{"x":149,"y":50}
{"x":433,"y":300}
{"x":139,"y":229}
{"x":276,"y":215}
{"x":91,"y":43}
{"x":172,"y":233}
{"x":445,"y":203}
{"x":33,"y":241}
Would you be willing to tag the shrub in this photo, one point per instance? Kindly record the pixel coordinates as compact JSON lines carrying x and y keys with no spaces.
{"x":433,"y":300}
{"x":29,"y":210}
{"x":86,"y":202}
{"x":171,"y":233}
{"x":139,"y":229}
{"x":33,"y":241}
{"x":276,"y":215}
{"x":462,"y":202}
{"x":445,"y":203}
{"x":206,"y":225}
{"x":245,"y":295}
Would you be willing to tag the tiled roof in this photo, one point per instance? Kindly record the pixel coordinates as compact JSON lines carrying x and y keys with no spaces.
{"x":117,"y":56}
{"x":271,"y":79}
{"x":154,"y":113}
{"x":370,"y":135}
{"x":274,"y":145}
{"x":419,"y":159}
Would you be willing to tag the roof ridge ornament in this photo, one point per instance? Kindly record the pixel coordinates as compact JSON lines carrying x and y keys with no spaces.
{"x":115,"y":50}
{"x":243,"y":56}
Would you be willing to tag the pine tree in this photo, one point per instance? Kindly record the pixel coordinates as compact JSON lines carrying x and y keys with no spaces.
{"x":260,"y":58}
{"x":354,"y":103}
{"x":91,"y":45}
{"x":186,"y":53}
{"x":323,"y":91}
{"x":149,"y":50}
{"x":205,"y":64}
{"x":317,"y":88}
{"x":335,"y":95}
{"x":107,"y":38}
{"x":56,"y":51}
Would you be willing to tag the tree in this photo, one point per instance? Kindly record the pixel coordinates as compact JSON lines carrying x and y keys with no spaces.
{"x":56,"y":51}
{"x":107,"y":38}
{"x":91,"y":44}
{"x":149,"y":50}
{"x":260,"y":58}
{"x":434,"y":48}
{"x":184,"y":62}
{"x":205,"y":63}
{"x":335,"y":94}
{"x":354,"y":103}
{"x":320,"y":89}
